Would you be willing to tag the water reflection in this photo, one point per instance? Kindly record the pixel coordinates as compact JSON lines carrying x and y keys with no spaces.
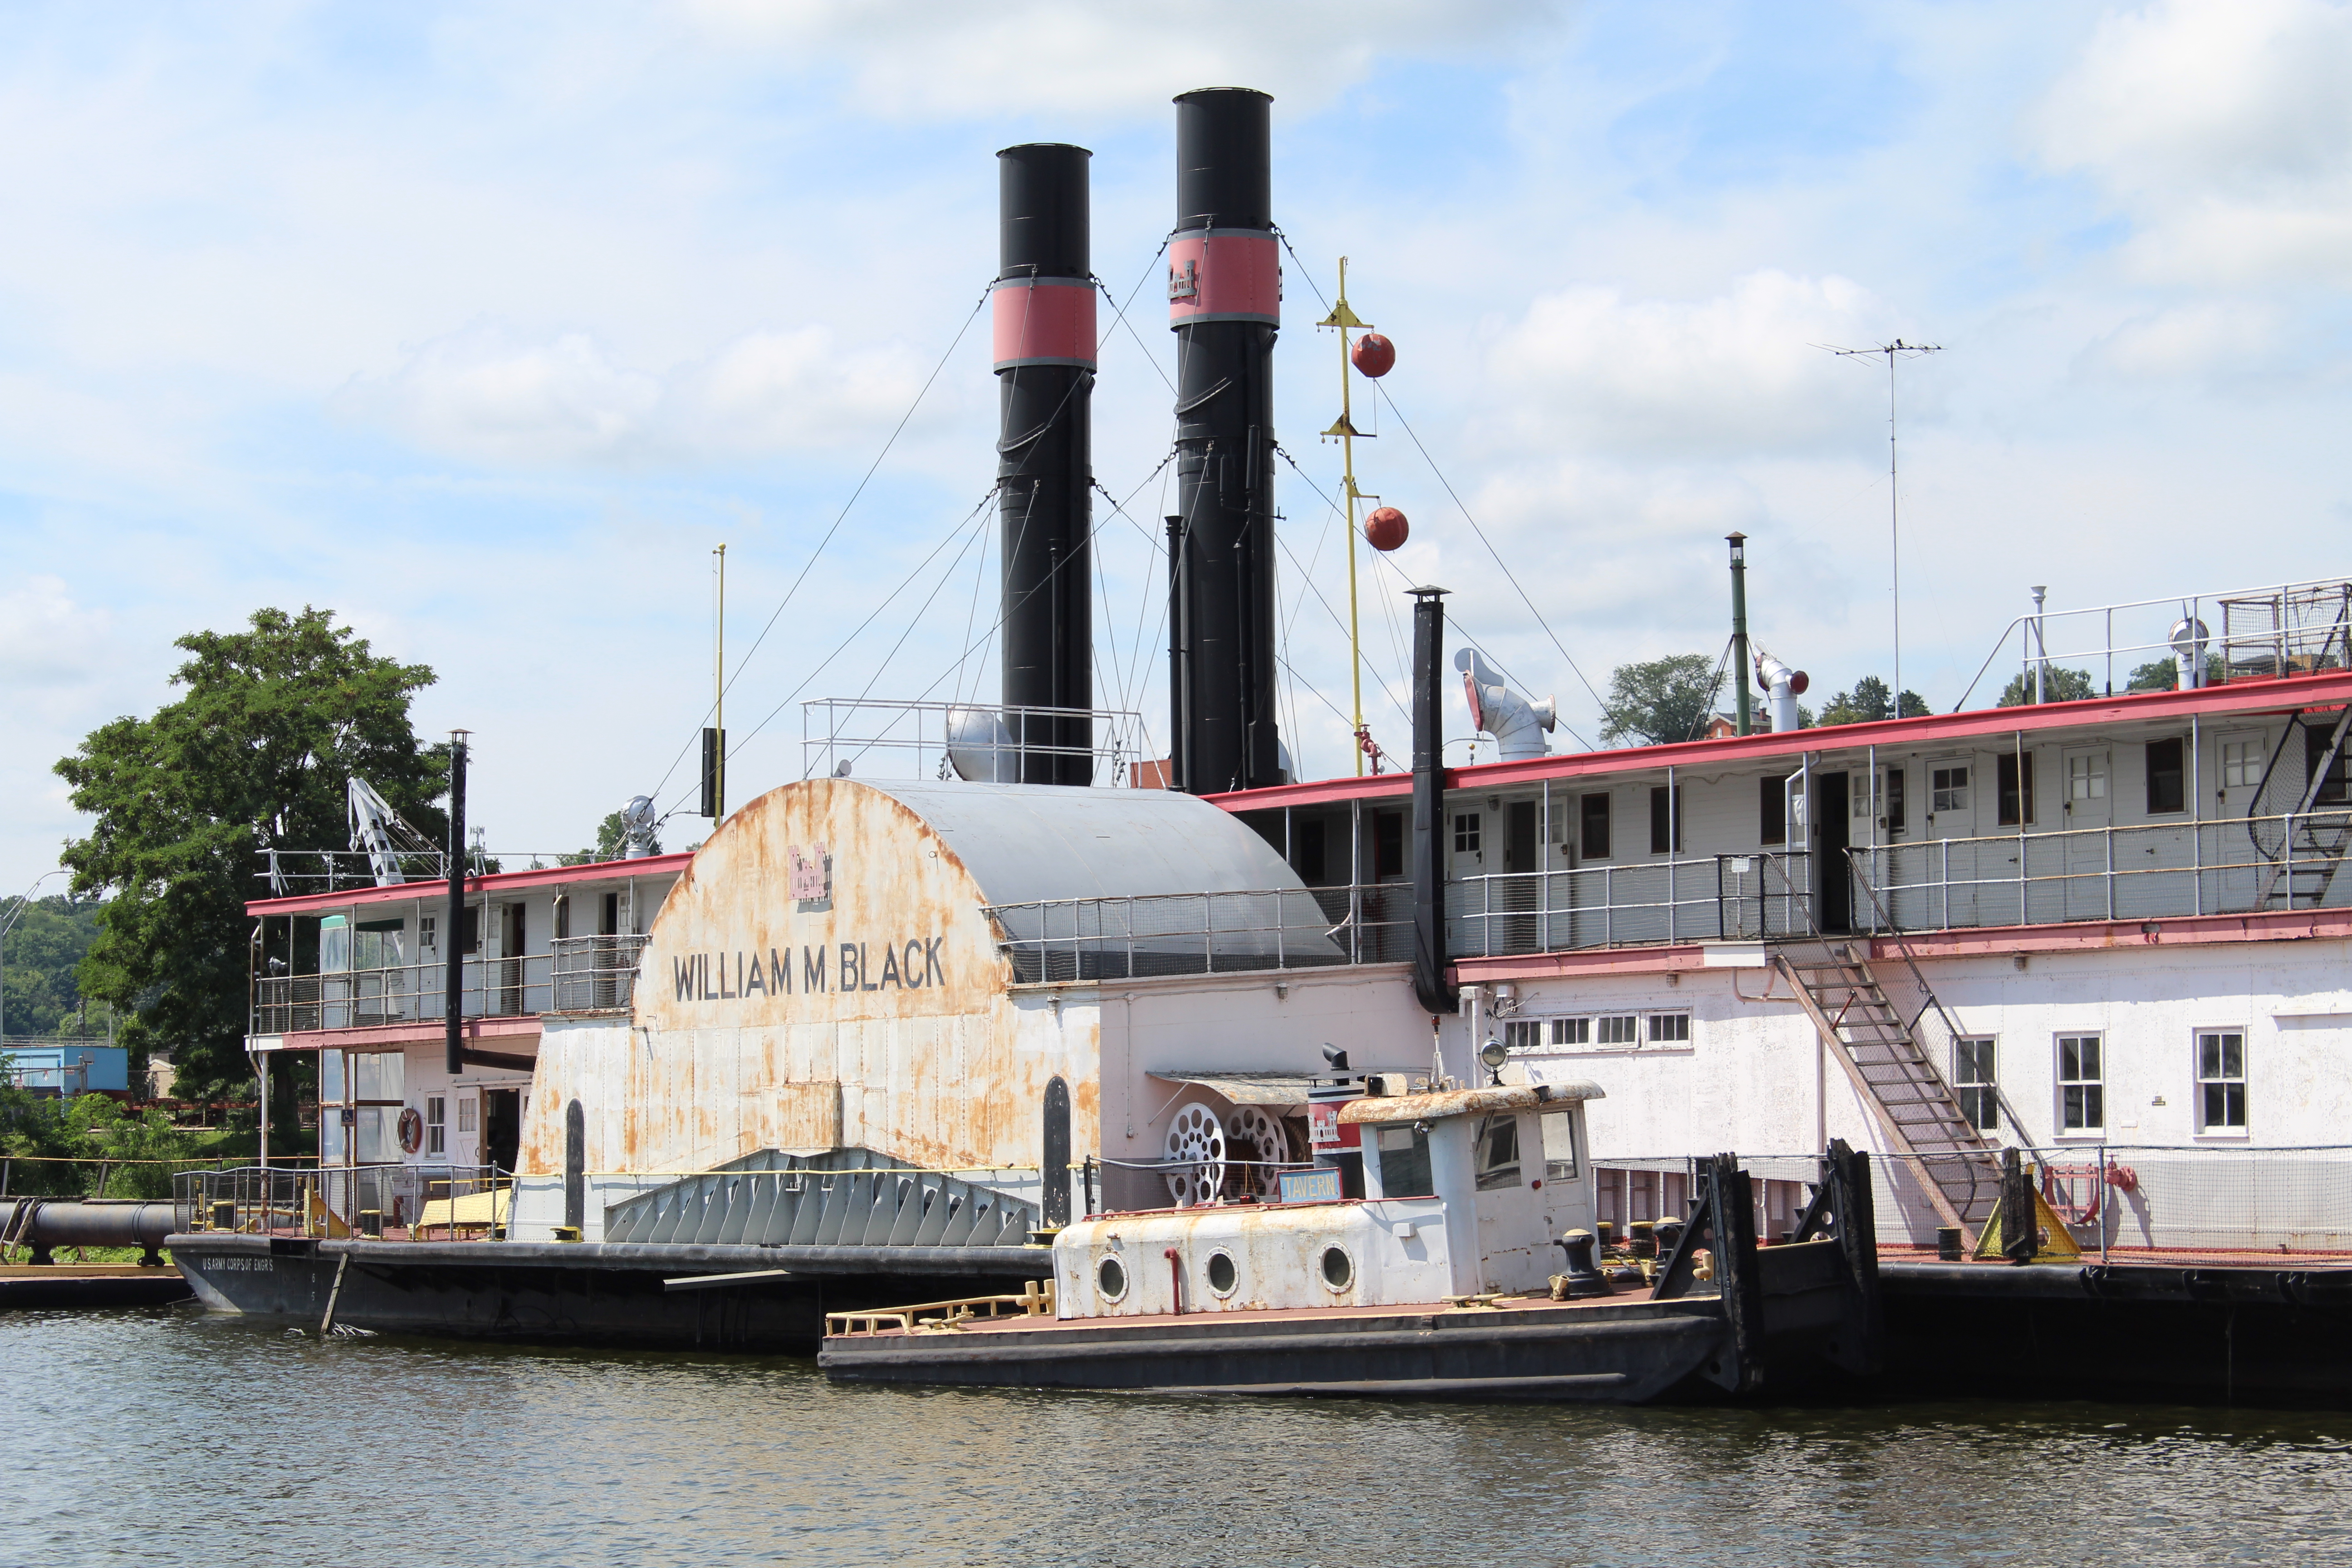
{"x":172,"y":1437}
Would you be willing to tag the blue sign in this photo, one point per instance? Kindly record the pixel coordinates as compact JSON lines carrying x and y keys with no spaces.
{"x":1320,"y":1186}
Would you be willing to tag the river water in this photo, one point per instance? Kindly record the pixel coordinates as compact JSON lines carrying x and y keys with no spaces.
{"x":167,"y":1436}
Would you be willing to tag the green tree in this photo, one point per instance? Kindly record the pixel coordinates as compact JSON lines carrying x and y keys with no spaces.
{"x":2058,"y":685}
{"x":253,"y":757}
{"x":1868,"y":702}
{"x":609,"y":843}
{"x":1658,"y":700}
{"x":2164,"y":674}
{"x":42,"y":949}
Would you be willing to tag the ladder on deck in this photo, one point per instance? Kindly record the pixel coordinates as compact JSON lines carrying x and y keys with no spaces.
{"x":1914,"y":1106}
{"x":2304,"y":869}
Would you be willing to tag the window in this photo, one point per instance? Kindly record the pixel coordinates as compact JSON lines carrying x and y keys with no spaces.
{"x":1388,"y":844}
{"x":424,"y":928}
{"x":1465,"y":833}
{"x":2331,"y":791}
{"x":1771,"y":811}
{"x":1498,"y":1152}
{"x":1594,"y":813}
{"x":467,"y":1104}
{"x":2087,"y":778}
{"x":2013,"y":783}
{"x":375,"y":944}
{"x":1669,"y":1028}
{"x":1666,"y":820}
{"x":2168,"y":776}
{"x":1947,"y":789}
{"x":1404,"y":1162}
{"x":1559,"y":1145}
{"x":2221,"y":1081}
{"x":1972,"y":1076}
{"x":2241,"y":763}
{"x":1523,"y":1034}
{"x":436,"y":1129}
{"x":2081,"y":1089}
{"x":1572,"y":1031}
{"x":1619,"y":1031}
{"x":1898,"y":808}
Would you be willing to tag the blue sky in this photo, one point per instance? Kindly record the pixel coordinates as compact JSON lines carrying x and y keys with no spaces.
{"x":483,"y":324}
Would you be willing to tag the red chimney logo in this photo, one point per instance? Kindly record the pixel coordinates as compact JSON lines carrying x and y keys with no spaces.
{"x":812,"y":877}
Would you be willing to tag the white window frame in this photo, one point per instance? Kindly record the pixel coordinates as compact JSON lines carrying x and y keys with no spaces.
{"x":1984,"y":1115}
{"x":2092,"y":1126}
{"x":2253,"y":756}
{"x":1523,"y":1034}
{"x":1676,"y":1030}
{"x":436,"y":1125}
{"x":1575,"y":1031}
{"x":2206,"y":1127}
{"x":1617,"y":1029}
{"x":1950,"y":796}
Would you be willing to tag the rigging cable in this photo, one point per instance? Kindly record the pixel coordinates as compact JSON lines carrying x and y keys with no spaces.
{"x":728,"y":684}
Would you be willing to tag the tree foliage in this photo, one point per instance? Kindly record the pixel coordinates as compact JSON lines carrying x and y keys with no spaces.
{"x":2058,"y":685}
{"x":2164,"y":674}
{"x":610,"y":839}
{"x":1659,"y":699}
{"x":43,"y":948}
{"x":1870,"y":701}
{"x":253,"y":756}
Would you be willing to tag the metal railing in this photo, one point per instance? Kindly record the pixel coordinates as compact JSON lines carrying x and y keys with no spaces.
{"x":2128,"y":1203}
{"x":1717,"y":898}
{"x":596,"y":973}
{"x":988,"y":739}
{"x":2287,"y":628}
{"x":415,"y":1203}
{"x":2144,"y":871}
{"x":402,"y":994}
{"x":1061,"y":940}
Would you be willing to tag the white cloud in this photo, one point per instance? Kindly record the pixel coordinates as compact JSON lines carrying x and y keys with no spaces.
{"x":46,"y":640}
{"x":1588,"y":368}
{"x":939,"y":58}
{"x":486,"y":396}
{"x":2224,"y":127}
{"x":2208,"y":338}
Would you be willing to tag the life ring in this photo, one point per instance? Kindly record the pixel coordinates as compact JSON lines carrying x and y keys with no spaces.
{"x":412,"y":1130}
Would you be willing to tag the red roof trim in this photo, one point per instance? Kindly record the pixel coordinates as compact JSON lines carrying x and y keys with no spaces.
{"x":2326,"y":689}
{"x":502,"y":883}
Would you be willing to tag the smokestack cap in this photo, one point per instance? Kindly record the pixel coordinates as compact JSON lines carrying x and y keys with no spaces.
{"x":1224,"y":148}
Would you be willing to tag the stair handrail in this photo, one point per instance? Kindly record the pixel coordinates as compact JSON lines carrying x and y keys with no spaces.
{"x":1884,"y":921}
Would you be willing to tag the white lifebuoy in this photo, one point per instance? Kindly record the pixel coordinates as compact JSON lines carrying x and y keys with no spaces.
{"x":412,"y":1130}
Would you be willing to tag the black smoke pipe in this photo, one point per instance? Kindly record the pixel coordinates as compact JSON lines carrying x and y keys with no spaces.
{"x":453,"y":930}
{"x":1044,"y":309}
{"x":1224,"y":292}
{"x":1429,"y":955}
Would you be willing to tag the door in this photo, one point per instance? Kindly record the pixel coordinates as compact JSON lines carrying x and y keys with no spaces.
{"x":510,"y":960}
{"x":1523,"y":889}
{"x":2086,"y":855}
{"x":1833,"y":877}
{"x":501,"y":1127}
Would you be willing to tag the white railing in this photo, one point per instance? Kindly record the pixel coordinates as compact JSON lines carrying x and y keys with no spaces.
{"x":987,"y":742}
{"x":1714,"y":898}
{"x":402,"y":994}
{"x":596,"y":973}
{"x":2285,"y":628}
{"x":2145,"y":871}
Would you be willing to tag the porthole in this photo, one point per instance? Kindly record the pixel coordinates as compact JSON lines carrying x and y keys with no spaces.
{"x":1110,"y":1279}
{"x":1339,"y":1268}
{"x":1223,"y":1275}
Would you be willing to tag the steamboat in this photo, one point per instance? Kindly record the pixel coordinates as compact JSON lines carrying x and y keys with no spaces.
{"x":1055,"y":1063}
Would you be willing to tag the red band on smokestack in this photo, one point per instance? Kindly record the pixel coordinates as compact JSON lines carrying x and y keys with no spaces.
{"x":1224,"y":275}
{"x":1047,"y":320}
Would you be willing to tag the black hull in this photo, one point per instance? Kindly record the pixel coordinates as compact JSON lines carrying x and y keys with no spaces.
{"x":33,"y":1289}
{"x":1616,"y":1355}
{"x":2274,"y":1337}
{"x":559,"y":1293}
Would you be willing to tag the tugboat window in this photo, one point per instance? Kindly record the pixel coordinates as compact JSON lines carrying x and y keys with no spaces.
{"x":1220,"y":1272}
{"x":1338,"y":1269}
{"x":1404,"y":1162}
{"x":1110,"y":1279}
{"x":1498,"y":1153}
{"x":1559,"y":1146}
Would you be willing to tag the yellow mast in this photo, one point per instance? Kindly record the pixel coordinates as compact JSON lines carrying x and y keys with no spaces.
{"x":1345,"y":320}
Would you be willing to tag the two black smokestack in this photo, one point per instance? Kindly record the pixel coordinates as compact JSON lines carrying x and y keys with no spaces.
{"x":1224,"y":294}
{"x":1225,"y":304}
{"x":1044,"y":309}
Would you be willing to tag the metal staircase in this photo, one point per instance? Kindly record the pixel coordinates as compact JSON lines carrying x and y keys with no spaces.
{"x":1883,"y":1055}
{"x":2306,"y":849}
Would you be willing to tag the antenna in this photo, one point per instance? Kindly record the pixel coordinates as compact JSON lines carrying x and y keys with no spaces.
{"x":1345,"y":430}
{"x":1896,"y":349}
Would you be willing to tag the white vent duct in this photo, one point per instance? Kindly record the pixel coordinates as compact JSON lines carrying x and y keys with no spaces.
{"x":1782,"y":687}
{"x":1516,"y":724}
